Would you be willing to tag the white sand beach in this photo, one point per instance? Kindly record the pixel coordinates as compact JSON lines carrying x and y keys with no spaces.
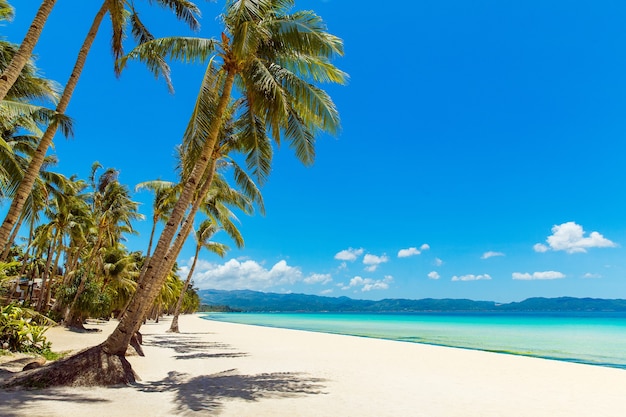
{"x":233,"y":370}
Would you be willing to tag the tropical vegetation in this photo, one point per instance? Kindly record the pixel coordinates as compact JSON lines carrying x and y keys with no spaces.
{"x":62,"y":240}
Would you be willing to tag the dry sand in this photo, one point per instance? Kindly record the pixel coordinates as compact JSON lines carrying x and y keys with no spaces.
{"x":223,"y":369}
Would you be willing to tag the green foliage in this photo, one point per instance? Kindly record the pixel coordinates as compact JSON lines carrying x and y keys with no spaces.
{"x":191,"y":302}
{"x":92,"y":302}
{"x":20,"y":331}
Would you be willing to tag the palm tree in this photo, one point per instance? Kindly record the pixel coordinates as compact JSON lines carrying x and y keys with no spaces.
{"x":23,"y":55}
{"x":274,"y":58}
{"x":207,"y":229}
{"x":120,"y":17}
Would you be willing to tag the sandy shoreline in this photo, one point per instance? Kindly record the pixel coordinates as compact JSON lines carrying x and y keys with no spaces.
{"x":224,"y":369}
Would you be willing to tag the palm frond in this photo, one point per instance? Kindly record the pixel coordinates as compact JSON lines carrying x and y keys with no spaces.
{"x":154,"y":52}
{"x":185,"y":11}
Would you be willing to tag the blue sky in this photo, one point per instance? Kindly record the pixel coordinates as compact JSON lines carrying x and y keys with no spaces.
{"x":481,"y":153}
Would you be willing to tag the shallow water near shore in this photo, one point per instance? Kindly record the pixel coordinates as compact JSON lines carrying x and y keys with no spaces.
{"x":594,"y":338}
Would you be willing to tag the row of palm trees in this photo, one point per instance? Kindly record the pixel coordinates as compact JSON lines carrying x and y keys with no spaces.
{"x":261,"y":85}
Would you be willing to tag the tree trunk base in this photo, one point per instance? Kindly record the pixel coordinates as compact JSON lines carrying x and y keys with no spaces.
{"x":91,"y":367}
{"x":174,"y":326}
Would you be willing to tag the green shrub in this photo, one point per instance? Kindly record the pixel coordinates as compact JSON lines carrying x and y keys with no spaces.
{"x":20,"y":332}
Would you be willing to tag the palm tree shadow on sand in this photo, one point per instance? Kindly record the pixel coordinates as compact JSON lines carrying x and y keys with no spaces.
{"x":32,"y":402}
{"x":210,"y":392}
{"x":190,"y":346}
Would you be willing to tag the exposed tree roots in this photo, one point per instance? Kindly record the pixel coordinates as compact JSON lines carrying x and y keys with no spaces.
{"x":91,"y":367}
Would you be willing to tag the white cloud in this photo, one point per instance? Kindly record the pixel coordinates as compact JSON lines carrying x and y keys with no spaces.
{"x":412,"y":251}
{"x":438,"y":262}
{"x":234,"y":275}
{"x":326,"y":292}
{"x":569,"y":237}
{"x":434,"y":275}
{"x":372,"y":261}
{"x":592,"y":276}
{"x":471,"y":277}
{"x":318,"y":279}
{"x":369,"y":284}
{"x":538,"y":275}
{"x":405,"y":253}
{"x":491,"y":254}
{"x":540,"y":247}
{"x":349,"y":254}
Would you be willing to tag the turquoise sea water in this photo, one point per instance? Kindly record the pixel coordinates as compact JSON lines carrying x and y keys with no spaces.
{"x":591,"y":338}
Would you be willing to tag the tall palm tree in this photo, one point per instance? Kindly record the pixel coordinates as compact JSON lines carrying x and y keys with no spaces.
{"x":23,"y":55}
{"x":205,"y":232}
{"x":121,"y":12}
{"x":219,"y":214}
{"x":274,"y":58}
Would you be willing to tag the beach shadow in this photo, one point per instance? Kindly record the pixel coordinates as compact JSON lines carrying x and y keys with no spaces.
{"x":183,"y":342}
{"x":208,"y":393}
{"x":19,"y":402}
{"x":212,"y":355}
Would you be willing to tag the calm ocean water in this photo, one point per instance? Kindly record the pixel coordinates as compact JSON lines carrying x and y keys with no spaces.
{"x":591,"y":338}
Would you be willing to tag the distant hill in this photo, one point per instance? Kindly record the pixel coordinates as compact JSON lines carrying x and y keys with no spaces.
{"x":271,"y":302}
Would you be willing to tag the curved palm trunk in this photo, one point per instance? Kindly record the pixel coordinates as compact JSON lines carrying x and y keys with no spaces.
{"x":151,"y":280}
{"x":154,"y":225}
{"x":7,"y":249}
{"x":187,"y":225}
{"x":37,"y":160}
{"x":44,"y":279}
{"x":25,"y":51}
{"x":181,"y":297}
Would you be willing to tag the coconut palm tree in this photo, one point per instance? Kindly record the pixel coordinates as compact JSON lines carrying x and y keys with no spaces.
{"x":122,"y":13}
{"x":205,"y":232}
{"x":23,"y":55}
{"x":274,"y":59}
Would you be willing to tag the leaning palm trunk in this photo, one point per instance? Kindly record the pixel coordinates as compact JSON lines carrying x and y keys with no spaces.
{"x":25,"y":51}
{"x":26,"y":185}
{"x":182,"y":236}
{"x":152,"y":280}
{"x":7,"y":249}
{"x":181,"y":297}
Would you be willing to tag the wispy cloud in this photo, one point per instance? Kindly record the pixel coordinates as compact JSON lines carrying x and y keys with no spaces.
{"x":349,"y":254}
{"x":372,"y":261}
{"x":318,"y":279}
{"x":434,"y":275}
{"x":491,"y":254}
{"x":590,"y":275}
{"x":525,"y":276}
{"x":368,"y":284}
{"x":570,"y":237}
{"x":438,"y":262}
{"x":235,"y":275}
{"x":471,"y":277}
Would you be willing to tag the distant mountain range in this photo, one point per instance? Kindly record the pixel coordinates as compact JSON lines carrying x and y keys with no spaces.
{"x":250,"y":301}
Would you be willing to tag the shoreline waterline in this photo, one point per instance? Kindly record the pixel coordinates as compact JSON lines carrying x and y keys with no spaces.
{"x":597,"y":339}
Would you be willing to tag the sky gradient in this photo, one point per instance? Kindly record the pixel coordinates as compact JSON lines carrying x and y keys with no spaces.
{"x":481,"y":153}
